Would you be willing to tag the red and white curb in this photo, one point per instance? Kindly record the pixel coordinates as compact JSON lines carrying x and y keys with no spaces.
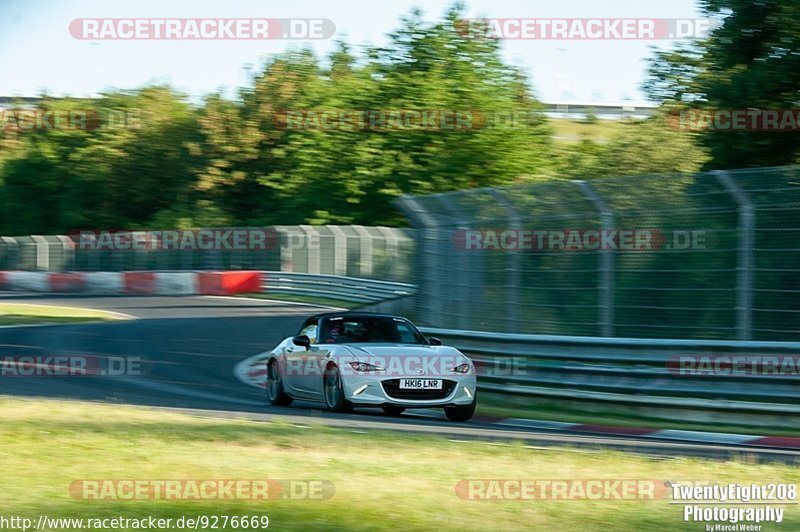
{"x":253,"y":372}
{"x":784,"y":442}
{"x":134,"y":283}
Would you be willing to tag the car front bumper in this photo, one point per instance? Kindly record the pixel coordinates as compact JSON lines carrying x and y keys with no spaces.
{"x":378,"y":390}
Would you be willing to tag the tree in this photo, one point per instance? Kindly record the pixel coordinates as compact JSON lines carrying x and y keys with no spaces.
{"x":751,"y":61}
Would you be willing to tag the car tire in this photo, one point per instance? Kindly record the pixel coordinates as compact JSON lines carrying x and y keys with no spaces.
{"x":461,"y":413}
{"x":275,"y":393}
{"x":333,"y":390}
{"x":392,"y":410}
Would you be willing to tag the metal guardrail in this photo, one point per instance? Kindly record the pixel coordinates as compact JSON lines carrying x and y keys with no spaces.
{"x":334,"y":287}
{"x":633,"y":371}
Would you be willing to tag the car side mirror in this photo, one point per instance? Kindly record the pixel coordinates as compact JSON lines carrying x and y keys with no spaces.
{"x":302,"y":340}
{"x":434,"y":341}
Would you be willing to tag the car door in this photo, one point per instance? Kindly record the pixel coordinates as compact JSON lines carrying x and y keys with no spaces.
{"x":315,"y":360}
{"x":298,"y":376}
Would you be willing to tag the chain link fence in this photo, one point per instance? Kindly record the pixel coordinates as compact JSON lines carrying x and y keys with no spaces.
{"x":353,"y":251}
{"x":713,"y":255}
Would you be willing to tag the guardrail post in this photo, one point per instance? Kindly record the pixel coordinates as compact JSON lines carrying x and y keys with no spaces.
{"x":606,"y":285}
{"x":514,"y":284}
{"x":744,"y":266}
{"x":427,"y":307}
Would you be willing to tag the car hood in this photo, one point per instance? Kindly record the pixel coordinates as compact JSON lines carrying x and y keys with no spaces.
{"x":409,"y":360}
{"x":400,"y":350}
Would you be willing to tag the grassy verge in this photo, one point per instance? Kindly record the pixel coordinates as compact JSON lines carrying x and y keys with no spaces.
{"x":600,"y":414}
{"x":21,"y":314}
{"x":569,"y":130}
{"x":382,"y":481}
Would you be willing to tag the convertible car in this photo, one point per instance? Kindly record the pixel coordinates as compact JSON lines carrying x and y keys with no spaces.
{"x":354,"y":359}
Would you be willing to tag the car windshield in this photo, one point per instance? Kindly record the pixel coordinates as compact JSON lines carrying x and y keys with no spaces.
{"x":369,"y":329}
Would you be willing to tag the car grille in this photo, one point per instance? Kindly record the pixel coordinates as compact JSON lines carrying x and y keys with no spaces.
{"x":392,"y":389}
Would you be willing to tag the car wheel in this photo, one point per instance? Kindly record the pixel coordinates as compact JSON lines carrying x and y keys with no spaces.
{"x":334,"y":391}
{"x":392,"y":410}
{"x":461,"y":413}
{"x":275,"y":393}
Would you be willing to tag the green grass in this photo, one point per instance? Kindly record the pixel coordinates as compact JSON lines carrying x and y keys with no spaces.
{"x":382,"y":481}
{"x":570,"y":130}
{"x":22,"y":314}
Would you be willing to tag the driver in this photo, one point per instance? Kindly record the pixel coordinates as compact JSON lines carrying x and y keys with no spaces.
{"x":336,"y":332}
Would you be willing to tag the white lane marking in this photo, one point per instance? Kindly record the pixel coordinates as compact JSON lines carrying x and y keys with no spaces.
{"x":705,"y":437}
{"x":34,"y":325}
{"x":426,"y":413}
{"x":173,"y":388}
{"x":536,"y":424}
{"x":288,"y":303}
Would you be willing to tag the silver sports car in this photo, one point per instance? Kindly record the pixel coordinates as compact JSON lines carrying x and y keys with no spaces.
{"x":350,"y":359}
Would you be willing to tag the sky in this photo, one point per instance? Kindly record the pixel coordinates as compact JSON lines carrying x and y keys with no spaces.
{"x":38,"y":53}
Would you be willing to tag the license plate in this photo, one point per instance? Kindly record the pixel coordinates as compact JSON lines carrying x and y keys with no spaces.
{"x":420,"y":384}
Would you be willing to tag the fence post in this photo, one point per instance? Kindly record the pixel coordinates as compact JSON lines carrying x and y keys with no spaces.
{"x":392,"y":248}
{"x":512,"y":298}
{"x":426,"y":304}
{"x":744,"y":266}
{"x":42,"y":252}
{"x":339,"y":250}
{"x":11,"y":257}
{"x":462,"y":272}
{"x":68,"y":247}
{"x":606,"y":287}
{"x":364,"y":251}
{"x":312,"y":248}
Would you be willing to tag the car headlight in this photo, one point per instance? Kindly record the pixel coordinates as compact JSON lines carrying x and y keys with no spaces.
{"x":461,"y":368}
{"x":363,"y":366}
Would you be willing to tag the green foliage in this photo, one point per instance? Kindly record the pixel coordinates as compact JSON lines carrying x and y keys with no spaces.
{"x":751,"y":61}
{"x":154,"y":160}
{"x":640,"y":147}
{"x":234,"y":163}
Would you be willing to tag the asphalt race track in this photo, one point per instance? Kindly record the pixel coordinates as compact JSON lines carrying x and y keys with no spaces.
{"x":188,"y":347}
